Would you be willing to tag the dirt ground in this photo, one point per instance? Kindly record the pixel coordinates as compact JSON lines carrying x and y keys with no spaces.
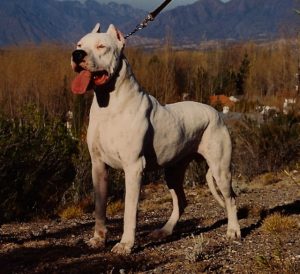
{"x":198,"y":244}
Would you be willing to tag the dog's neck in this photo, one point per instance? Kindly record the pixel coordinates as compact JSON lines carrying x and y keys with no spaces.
{"x":122,"y":79}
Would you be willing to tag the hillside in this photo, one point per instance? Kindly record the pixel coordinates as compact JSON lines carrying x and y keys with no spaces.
{"x":49,"y":20}
{"x":237,"y":20}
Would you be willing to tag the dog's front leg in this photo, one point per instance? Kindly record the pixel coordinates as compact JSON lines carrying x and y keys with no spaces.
{"x":133,"y":179}
{"x":99,"y":174}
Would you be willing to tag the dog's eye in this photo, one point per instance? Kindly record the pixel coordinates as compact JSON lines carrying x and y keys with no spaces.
{"x":100,"y":46}
{"x":79,"y":46}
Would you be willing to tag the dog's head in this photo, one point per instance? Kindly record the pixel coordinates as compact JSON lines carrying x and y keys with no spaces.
{"x":96,"y":58}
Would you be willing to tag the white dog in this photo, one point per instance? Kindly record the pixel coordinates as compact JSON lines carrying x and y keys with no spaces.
{"x":130,"y":130}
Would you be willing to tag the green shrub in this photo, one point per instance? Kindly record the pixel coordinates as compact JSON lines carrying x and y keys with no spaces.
{"x":35,"y":164}
{"x":266,"y":147}
{"x":81,"y":186}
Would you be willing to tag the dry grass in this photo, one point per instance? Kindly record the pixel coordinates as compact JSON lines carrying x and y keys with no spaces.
{"x":42,"y":75}
{"x":278,"y":223}
{"x":195,"y":253}
{"x":115,"y":207}
{"x":278,"y":259}
{"x":71,"y":212}
{"x":39,"y":75}
{"x":265,"y":179}
{"x":168,"y":74}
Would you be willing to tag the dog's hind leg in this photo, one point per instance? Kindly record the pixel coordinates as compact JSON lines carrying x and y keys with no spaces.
{"x":223,"y":181}
{"x":212,"y":188}
{"x":174,"y":177}
{"x":216,"y":149}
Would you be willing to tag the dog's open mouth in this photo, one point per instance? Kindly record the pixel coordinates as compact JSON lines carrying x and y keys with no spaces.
{"x":100,"y":77}
{"x":85,"y":79}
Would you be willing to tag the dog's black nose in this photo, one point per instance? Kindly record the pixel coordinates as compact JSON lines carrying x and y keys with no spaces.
{"x":78,"y":56}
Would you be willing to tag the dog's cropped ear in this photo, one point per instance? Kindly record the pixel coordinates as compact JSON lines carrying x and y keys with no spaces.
{"x":114,"y":32}
{"x":96,"y":29}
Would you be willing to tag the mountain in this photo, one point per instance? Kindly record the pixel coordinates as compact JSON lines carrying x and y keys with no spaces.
{"x":60,"y":21}
{"x":236,"y":19}
{"x":66,"y":21}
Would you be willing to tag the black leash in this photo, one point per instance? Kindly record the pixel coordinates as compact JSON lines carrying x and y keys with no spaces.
{"x":150,"y":17}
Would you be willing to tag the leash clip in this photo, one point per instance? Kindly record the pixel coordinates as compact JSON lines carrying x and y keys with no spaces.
{"x":145,"y":23}
{"x":150,"y":17}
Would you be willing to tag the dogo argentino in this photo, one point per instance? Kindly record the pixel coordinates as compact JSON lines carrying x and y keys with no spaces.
{"x":130,"y":130}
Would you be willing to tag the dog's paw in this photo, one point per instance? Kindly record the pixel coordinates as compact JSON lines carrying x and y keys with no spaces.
{"x":122,"y":248}
{"x":233,"y":233}
{"x":96,"y":242}
{"x":159,"y":234}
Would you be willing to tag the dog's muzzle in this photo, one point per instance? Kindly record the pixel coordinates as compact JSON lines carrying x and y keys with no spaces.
{"x":85,"y":78}
{"x":78,"y":56}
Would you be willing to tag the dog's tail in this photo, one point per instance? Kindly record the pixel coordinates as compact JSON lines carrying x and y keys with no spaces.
{"x":212,"y":188}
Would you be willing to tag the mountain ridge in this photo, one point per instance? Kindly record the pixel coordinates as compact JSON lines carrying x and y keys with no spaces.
{"x":35,"y":21}
{"x":237,"y":20}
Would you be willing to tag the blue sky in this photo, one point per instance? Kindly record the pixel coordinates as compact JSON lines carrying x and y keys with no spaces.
{"x":149,"y":5}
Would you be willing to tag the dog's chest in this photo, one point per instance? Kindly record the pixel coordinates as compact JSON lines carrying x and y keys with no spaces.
{"x":107,"y":139}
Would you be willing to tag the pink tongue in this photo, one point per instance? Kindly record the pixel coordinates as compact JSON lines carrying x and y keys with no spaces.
{"x":81,"y":82}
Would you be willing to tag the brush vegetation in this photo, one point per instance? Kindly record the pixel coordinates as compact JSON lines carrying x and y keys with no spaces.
{"x":277,"y":260}
{"x":44,"y":166}
{"x":279,"y":223}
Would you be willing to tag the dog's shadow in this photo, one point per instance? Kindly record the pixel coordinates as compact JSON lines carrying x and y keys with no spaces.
{"x":191,"y":227}
{"x":59,"y":234}
{"x":183,"y":229}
